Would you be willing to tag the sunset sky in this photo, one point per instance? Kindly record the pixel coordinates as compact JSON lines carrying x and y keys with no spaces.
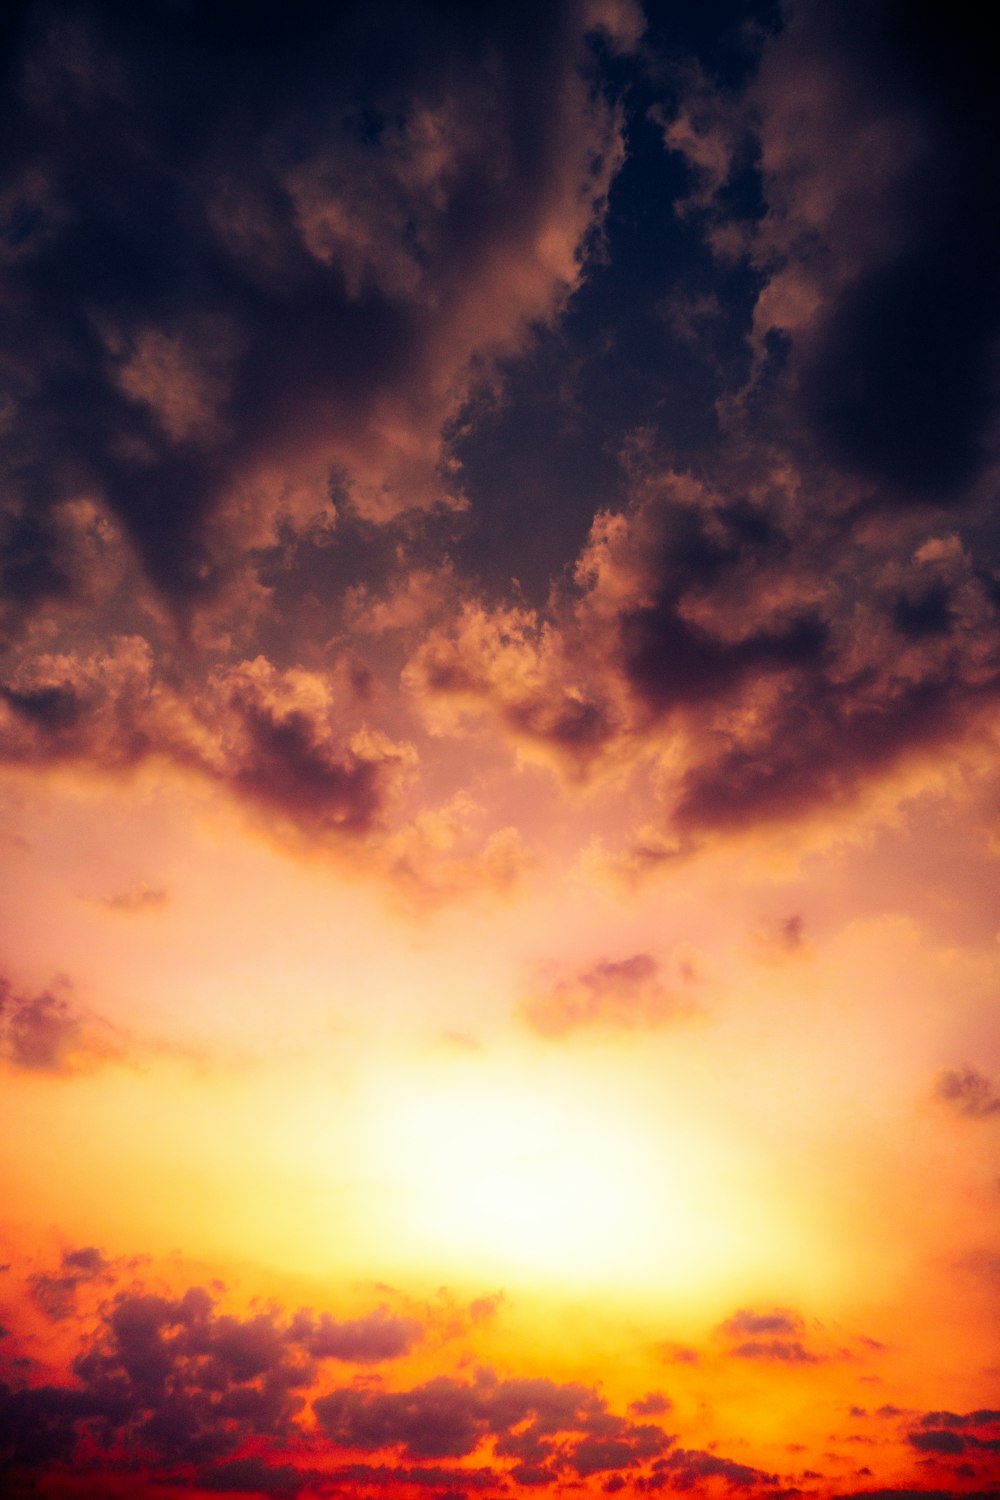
{"x":499,"y":750}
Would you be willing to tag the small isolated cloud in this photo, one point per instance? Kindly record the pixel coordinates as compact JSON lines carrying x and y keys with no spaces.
{"x":969,"y":1092}
{"x":136,"y":898}
{"x":39,"y":1033}
{"x":779,"y":938}
{"x":744,"y":1322}
{"x":50,"y":1033}
{"x":625,"y":994}
{"x":772,"y":1336}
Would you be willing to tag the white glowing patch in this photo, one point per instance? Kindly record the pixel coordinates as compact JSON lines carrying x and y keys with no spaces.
{"x":497,"y":1176}
{"x":516,"y":1178}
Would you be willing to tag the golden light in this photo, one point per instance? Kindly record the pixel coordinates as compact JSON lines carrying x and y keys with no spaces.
{"x":544,"y":1180}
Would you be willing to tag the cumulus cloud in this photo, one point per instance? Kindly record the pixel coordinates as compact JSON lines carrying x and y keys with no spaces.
{"x":267,"y":736}
{"x":764,"y":661}
{"x":536,"y":1421}
{"x":179,"y":1381}
{"x":284,"y":355}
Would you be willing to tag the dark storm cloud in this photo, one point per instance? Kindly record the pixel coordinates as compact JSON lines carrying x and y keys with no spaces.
{"x":181,"y":1382}
{"x":927,"y":614}
{"x":774,"y":681}
{"x":289,"y":762}
{"x":873,"y":131}
{"x":174,"y":1381}
{"x":674,"y":664}
{"x":269,"y":737}
{"x":969,"y":1092}
{"x":918,"y":1494}
{"x":432,"y":1476}
{"x":252,"y":265}
{"x":254,"y":1476}
{"x":529,"y":1420}
{"x":900,"y":381}
{"x":242,"y":249}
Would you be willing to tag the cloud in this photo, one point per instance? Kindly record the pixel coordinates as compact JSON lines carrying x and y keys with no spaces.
{"x":653,"y":1404}
{"x":378,"y":1336}
{"x":780,"y":1321}
{"x":625,"y":994}
{"x":305,"y":251}
{"x":137,"y":898}
{"x":784,"y":1351}
{"x":774,"y":1336}
{"x":937,"y":1442}
{"x":509,"y":664}
{"x":689,"y":1467}
{"x":778,"y":939}
{"x":968,"y":1092}
{"x":983,"y":1417}
{"x":180,"y":1380}
{"x":254,"y":1475}
{"x":45,"y":1033}
{"x":877,"y":304}
{"x":974,"y":1436}
{"x":529,"y":1420}
{"x":262,"y":392}
{"x":283,"y":755}
{"x":266,"y":736}
{"x":56,"y":1294}
{"x":753,"y":656}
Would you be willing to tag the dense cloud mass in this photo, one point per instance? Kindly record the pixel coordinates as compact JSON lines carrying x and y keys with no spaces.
{"x":240,"y":255}
{"x":498,"y":542}
{"x":282,"y":291}
{"x":179,"y":1382}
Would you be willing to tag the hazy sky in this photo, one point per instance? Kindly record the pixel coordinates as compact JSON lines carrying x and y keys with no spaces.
{"x":499,"y":750}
